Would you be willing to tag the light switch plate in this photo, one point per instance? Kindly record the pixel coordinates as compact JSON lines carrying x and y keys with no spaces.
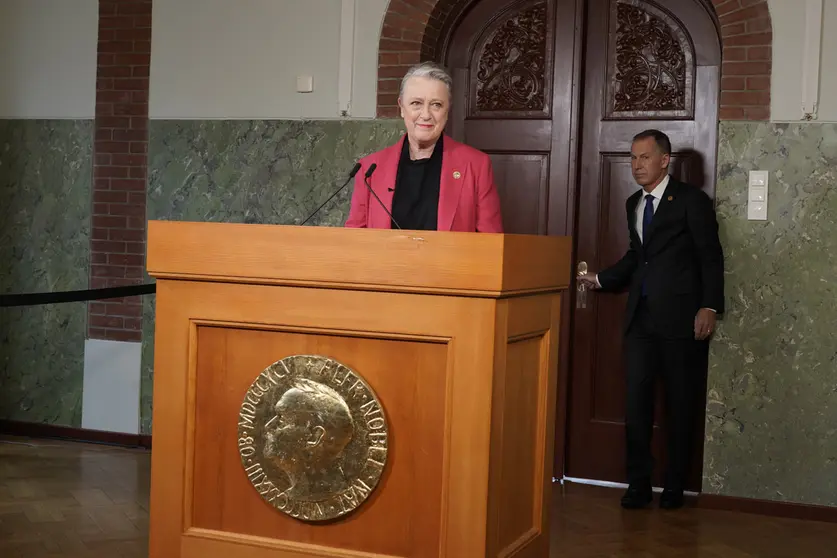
{"x":304,"y":84}
{"x":757,"y":196}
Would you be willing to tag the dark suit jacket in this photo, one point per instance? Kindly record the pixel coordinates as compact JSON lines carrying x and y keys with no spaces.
{"x":681,"y":261}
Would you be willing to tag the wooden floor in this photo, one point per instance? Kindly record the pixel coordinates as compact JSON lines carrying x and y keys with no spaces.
{"x":82,"y":500}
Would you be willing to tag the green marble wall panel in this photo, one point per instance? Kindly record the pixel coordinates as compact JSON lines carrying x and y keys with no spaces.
{"x":772,"y":411}
{"x":772,"y":392}
{"x":45,"y":178}
{"x":250,"y":171}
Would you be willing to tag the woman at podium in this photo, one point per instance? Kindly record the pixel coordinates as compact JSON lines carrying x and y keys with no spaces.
{"x":426,"y":181}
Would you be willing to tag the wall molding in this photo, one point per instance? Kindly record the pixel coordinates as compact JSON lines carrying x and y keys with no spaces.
{"x":787,"y":510}
{"x":55,"y":431}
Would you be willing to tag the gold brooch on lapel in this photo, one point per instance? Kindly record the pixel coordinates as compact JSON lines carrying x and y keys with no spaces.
{"x":670,"y":198}
{"x":457,"y":175}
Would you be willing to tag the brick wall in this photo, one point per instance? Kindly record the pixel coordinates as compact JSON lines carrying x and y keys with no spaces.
{"x":412,"y":29}
{"x":747,"y":35}
{"x":120,"y":163}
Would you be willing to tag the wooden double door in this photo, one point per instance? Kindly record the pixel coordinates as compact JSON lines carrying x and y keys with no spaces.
{"x":554,"y":91}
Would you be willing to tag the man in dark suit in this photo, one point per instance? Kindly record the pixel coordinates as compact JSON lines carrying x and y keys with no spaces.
{"x":674,"y":270}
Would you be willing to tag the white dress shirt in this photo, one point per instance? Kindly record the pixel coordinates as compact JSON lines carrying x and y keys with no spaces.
{"x":657,"y":192}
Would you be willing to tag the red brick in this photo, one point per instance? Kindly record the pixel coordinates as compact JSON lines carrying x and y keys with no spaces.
{"x":105,"y":196}
{"x":104,"y":109}
{"x":759,"y":10}
{"x":133,"y":8}
{"x":131,"y":60}
{"x":116,"y":22}
{"x":139,"y":123}
{"x":759,"y":25}
{"x":114,"y":271}
{"x":757,"y":113}
{"x":759,"y":83}
{"x":131,"y":84}
{"x":745,"y":68}
{"x":391,"y":44}
{"x":733,"y":29}
{"x":138,"y":172}
{"x":126,"y":259}
{"x":754,"y":39}
{"x":726,"y":6}
{"x":128,"y":210}
{"x":108,"y":247}
{"x":113,"y":122}
{"x":109,"y":222}
{"x":731,"y":113}
{"x":733,"y":83}
{"x":136,"y":198}
{"x":128,"y":185}
{"x":128,"y":235}
{"x":115,"y":71}
{"x":116,"y":47}
{"x":759,"y":53}
{"x":129,"y":135}
{"x":118,"y":223}
{"x":139,"y":147}
{"x":393,"y":71}
{"x":113,"y":96}
{"x":742,"y":98}
{"x":129,"y":109}
{"x":111,"y":172}
{"x":735,"y":53}
{"x":113,"y":147}
{"x":115,"y":334}
{"x":133,"y":323}
{"x":99,"y":233}
{"x":409,"y":58}
{"x":137,"y":223}
{"x":388,"y":59}
{"x":106,"y":321}
{"x":391,"y":85}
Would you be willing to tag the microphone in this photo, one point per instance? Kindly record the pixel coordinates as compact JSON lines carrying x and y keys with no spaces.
{"x":369,"y":172}
{"x":351,"y":176}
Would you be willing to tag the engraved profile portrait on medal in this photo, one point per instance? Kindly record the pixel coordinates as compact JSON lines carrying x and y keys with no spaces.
{"x":313,"y":437}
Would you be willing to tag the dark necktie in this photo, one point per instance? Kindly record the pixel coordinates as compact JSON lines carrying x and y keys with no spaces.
{"x":647,"y":215}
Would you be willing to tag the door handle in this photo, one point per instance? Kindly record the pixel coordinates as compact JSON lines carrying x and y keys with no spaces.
{"x":581,"y":287}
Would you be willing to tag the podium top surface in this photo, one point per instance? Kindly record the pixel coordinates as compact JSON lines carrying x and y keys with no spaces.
{"x":472,"y":264}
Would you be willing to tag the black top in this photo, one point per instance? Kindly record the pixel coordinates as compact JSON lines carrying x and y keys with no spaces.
{"x":415,"y":203}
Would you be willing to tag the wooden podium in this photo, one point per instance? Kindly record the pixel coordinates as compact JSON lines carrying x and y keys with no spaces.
{"x":455,"y":333}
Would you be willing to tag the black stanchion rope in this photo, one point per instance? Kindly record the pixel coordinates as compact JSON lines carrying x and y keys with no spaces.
{"x":36,"y":299}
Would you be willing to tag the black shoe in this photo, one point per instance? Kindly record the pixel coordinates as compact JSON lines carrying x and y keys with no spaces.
{"x":671,"y":499}
{"x":637,"y":496}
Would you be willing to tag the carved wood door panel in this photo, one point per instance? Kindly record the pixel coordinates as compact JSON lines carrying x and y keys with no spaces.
{"x":511,"y":62}
{"x":647,"y":66}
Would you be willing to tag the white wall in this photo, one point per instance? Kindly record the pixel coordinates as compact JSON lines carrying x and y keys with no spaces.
{"x":220,"y":59}
{"x":241,"y":58}
{"x":48,"y":58}
{"x":789,"y":31}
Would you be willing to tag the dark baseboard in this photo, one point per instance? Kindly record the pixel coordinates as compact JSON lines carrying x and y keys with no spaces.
{"x":771,"y":508}
{"x":39,"y":430}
